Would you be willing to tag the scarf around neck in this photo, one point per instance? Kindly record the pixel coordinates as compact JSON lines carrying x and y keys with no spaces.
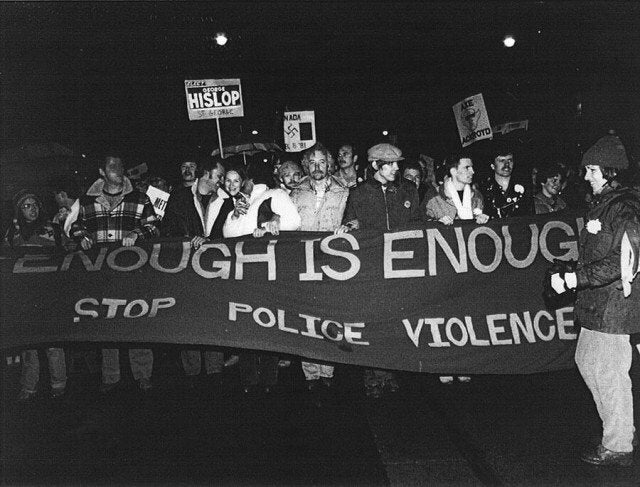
{"x":463,"y":208}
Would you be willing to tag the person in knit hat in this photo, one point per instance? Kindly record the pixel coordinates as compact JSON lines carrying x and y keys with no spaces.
{"x":30,"y":225}
{"x":31,"y":229}
{"x":606,"y":315}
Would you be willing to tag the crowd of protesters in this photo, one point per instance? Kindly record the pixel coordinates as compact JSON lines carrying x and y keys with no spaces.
{"x":310,"y":191}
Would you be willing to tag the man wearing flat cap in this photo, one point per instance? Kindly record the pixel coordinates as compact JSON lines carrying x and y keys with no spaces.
{"x":383,"y":202}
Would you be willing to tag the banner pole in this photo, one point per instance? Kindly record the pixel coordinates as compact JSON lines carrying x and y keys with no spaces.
{"x":219,"y":138}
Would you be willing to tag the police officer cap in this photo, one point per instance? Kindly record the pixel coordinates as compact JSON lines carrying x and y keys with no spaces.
{"x":384,"y":153}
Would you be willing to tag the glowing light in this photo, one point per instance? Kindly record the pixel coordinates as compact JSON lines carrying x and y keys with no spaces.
{"x":221,"y":38}
{"x":509,"y":41}
{"x":385,"y":132}
{"x":254,"y":132}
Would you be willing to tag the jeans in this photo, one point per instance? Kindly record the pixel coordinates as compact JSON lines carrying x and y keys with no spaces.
{"x":31,"y":369}
{"x":314,"y":371}
{"x":141,"y":360}
{"x":192,"y":361}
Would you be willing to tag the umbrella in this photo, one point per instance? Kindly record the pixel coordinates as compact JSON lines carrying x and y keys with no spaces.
{"x":249,"y":148}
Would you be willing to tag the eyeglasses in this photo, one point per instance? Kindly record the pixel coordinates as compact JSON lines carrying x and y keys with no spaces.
{"x":28,"y":206}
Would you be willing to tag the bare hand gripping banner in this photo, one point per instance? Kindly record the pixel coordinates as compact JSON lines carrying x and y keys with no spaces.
{"x":459,"y":299}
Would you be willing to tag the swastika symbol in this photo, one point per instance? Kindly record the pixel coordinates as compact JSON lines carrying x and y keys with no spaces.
{"x":292,"y":130}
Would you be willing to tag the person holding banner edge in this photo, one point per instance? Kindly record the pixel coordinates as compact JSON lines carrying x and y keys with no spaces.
{"x":113,"y":211}
{"x":457,"y":199}
{"x":381,"y":203}
{"x":260,"y":210}
{"x":31,"y":229}
{"x":607,"y":317}
{"x":198,"y":212}
{"x":320,"y":199}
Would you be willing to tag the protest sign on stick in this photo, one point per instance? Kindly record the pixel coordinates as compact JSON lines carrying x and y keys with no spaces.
{"x":214,"y":98}
{"x":472,"y":120}
{"x":299,"y":130}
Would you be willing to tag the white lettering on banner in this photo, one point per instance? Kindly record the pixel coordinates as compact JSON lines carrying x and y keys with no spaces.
{"x":501,"y":329}
{"x":308,"y":325}
{"x":353,"y":260}
{"x":311,"y":274}
{"x":496,"y":242}
{"x":390,"y":255}
{"x":572,"y":247}
{"x":130,"y":309}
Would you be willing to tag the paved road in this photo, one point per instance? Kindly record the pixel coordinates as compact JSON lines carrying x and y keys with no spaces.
{"x":497,"y":430}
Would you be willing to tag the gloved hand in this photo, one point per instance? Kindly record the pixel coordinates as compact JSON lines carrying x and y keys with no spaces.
{"x":559,"y":279}
{"x":563,"y":283}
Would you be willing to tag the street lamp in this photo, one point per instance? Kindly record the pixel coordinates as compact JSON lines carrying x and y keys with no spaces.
{"x":221,"y":38}
{"x":508,"y":41}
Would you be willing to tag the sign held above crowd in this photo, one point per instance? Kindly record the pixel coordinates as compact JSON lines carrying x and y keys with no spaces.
{"x":472,"y":120}
{"x":213,"y":98}
{"x":299,"y":130}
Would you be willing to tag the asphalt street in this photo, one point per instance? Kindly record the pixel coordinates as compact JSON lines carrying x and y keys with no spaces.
{"x":496,"y":430}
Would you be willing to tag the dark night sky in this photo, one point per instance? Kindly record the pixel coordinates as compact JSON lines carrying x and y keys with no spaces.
{"x":86,"y":74}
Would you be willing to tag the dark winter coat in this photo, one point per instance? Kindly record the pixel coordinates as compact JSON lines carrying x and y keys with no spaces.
{"x":185,"y":217}
{"x":601,"y":305}
{"x":375,"y":209}
{"x":515,"y":201}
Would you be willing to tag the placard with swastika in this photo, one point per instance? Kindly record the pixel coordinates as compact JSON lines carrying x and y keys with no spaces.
{"x":299,"y":130}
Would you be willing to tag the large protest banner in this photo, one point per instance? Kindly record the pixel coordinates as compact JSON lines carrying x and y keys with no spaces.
{"x":459,"y":299}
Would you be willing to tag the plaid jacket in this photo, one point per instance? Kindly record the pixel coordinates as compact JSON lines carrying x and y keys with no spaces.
{"x":133,"y":212}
